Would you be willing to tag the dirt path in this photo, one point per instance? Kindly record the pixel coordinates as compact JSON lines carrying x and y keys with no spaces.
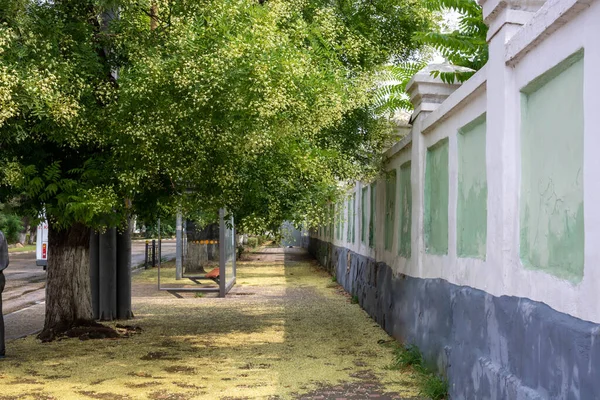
{"x":285,"y":331}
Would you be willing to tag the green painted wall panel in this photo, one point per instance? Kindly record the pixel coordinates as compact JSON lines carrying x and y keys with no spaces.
{"x":331,"y":220}
{"x":551,"y":214}
{"x":353,"y":217}
{"x":372,"y":219}
{"x":350,"y":219}
{"x":339,"y":215}
{"x":436,"y":199}
{"x":390,"y":209}
{"x":471,"y":224}
{"x":351,"y":210}
{"x":405,"y":214}
{"x":364,"y":215}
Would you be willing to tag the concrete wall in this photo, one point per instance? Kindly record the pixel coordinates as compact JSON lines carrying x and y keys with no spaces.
{"x":405,"y":211}
{"x":492,"y":269}
{"x":489,"y":347}
{"x":471,"y":208}
{"x":436,"y":199}
{"x":552,"y":231}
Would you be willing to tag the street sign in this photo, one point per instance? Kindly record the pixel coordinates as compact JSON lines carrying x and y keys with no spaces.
{"x":41,"y":248}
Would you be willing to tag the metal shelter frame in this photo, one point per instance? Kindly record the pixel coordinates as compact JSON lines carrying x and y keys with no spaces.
{"x":225,"y":282}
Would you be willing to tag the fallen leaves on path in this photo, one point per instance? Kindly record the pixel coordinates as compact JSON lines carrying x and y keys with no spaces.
{"x":283,"y":332}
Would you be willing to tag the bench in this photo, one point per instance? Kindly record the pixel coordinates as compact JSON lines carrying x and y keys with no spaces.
{"x":214,"y":275}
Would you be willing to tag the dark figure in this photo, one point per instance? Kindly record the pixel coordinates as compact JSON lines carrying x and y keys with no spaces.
{"x":3,"y":265}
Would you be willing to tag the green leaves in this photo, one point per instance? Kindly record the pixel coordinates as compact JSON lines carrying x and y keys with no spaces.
{"x":390,"y":96}
{"x":465,"y":46}
{"x":263,"y":109}
{"x":251,"y":103}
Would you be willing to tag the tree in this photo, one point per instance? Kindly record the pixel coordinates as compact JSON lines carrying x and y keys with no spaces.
{"x":465,"y":46}
{"x":56,"y":85}
{"x":262,"y":108}
{"x":259,"y":102}
{"x":11,"y":225}
{"x":391,"y":96}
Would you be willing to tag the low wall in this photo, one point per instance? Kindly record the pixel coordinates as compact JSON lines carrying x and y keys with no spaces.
{"x":490,"y":347}
{"x":479,"y":243}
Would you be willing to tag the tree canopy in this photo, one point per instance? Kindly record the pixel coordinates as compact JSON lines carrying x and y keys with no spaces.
{"x":262,"y":107}
{"x":110,"y":108}
{"x":466,"y":46}
{"x":56,"y":85}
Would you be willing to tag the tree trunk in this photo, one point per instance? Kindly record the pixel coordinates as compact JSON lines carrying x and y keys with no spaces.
{"x":32,"y":234}
{"x":196,"y":258}
{"x":68,"y":293}
{"x":202,"y":249}
{"x":153,"y":16}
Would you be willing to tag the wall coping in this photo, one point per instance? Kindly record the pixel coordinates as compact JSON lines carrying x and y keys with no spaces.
{"x":398,"y":146}
{"x":549,"y":18}
{"x":470,"y":88}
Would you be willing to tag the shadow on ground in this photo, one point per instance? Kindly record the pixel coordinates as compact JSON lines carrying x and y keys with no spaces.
{"x":285,"y":331}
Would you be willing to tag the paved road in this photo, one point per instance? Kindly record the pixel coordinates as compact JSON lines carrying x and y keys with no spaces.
{"x":138,"y":249}
{"x":24,"y":295}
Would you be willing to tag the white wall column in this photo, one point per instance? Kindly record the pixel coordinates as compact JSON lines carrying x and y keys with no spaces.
{"x":504,"y":19}
{"x":426,"y":95}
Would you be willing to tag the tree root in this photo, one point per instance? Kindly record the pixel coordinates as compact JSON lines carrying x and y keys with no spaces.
{"x":86,"y":330}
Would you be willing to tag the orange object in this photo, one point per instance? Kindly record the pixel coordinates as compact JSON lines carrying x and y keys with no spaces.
{"x":213,"y":274}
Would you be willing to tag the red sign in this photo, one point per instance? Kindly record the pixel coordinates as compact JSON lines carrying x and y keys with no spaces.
{"x":43,"y":251}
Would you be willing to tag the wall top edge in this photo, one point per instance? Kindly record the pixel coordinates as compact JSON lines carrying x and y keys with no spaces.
{"x":493,"y":8}
{"x":551,"y":16}
{"x":398,"y":146}
{"x":462,"y":95}
{"x":424,"y":83}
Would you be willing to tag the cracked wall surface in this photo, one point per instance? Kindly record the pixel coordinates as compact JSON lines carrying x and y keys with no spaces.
{"x":552,"y":230}
{"x":436,"y":198}
{"x":472,"y":191}
{"x":490,"y":347}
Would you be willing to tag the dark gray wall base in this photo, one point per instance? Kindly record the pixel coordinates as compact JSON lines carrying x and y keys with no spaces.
{"x":489,"y":347}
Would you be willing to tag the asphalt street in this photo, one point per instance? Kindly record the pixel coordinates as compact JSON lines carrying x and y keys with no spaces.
{"x":23,"y":297}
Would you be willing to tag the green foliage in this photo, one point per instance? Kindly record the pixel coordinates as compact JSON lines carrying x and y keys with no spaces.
{"x":432,"y":386}
{"x":269,"y":143}
{"x":11,"y":225}
{"x":54,"y":150}
{"x":465,"y":46}
{"x":168,"y":228}
{"x":261,"y":108}
{"x":390,"y":96}
{"x":408,"y":356}
{"x":253,"y":242}
{"x":354,"y":300}
{"x":334,"y":279}
{"x":384,"y":28}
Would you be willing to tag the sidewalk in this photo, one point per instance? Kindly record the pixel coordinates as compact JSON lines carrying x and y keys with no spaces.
{"x":24,"y":322}
{"x":285,"y":331}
